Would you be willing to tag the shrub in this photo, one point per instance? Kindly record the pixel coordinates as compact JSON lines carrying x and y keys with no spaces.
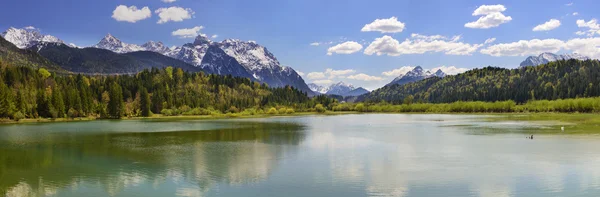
{"x":290,"y":111}
{"x":319,"y":108}
{"x":272,"y":111}
{"x":18,"y":116}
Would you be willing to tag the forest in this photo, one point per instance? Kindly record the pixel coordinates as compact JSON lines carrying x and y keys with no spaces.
{"x":562,"y":79}
{"x":28,"y":92}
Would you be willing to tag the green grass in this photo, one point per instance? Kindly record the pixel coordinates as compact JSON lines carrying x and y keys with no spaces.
{"x":574,"y":123}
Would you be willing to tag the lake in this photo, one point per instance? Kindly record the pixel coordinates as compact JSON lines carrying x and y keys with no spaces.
{"x":343,"y":155}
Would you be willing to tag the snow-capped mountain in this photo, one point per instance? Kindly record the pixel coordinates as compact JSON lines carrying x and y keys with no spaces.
{"x":545,"y":58}
{"x":418,"y":73}
{"x":340,"y":88}
{"x":317,"y":88}
{"x":158,"y":47}
{"x":27,"y":37}
{"x":109,"y":42}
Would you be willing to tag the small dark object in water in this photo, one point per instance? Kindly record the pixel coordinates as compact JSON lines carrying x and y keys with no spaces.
{"x":531,"y":137}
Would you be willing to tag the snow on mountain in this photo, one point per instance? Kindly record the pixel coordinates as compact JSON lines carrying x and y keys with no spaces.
{"x":317,"y":88}
{"x":340,"y":88}
{"x":158,"y":47}
{"x":545,"y":58}
{"x":109,"y":42}
{"x":417,"y":74}
{"x":253,"y":56}
{"x":27,"y":37}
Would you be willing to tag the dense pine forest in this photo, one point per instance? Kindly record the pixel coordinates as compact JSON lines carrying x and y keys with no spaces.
{"x":27,"y":92}
{"x":556,"y":80}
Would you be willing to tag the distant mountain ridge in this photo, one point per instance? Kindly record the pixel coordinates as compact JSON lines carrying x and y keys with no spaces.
{"x":417,"y":74}
{"x":259,"y":64}
{"x":545,"y":58}
{"x":340,"y":88}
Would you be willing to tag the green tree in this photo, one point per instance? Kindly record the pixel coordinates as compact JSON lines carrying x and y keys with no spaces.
{"x":116,"y":106}
{"x":145,"y":102}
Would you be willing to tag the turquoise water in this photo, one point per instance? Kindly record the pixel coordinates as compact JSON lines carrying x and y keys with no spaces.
{"x":346,"y":155}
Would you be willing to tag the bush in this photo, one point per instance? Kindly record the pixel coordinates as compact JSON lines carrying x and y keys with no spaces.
{"x":360,"y":107}
{"x":272,"y":111}
{"x":290,"y":111}
{"x":18,"y":116}
{"x":319,"y":108}
{"x":72,"y":113}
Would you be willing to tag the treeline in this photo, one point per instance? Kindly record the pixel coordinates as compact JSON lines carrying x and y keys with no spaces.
{"x":556,"y":80}
{"x":27,"y":92}
{"x":581,"y":105}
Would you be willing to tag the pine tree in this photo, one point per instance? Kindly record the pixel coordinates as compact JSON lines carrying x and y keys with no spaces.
{"x":116,"y":106}
{"x":145,"y":102}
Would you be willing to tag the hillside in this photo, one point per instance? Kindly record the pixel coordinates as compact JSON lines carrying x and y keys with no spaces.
{"x":555,"y":80}
{"x":11,"y":54}
{"x":94,"y":60}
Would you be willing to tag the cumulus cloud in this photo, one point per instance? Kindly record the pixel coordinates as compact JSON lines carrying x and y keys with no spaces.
{"x":489,"y":40}
{"x":547,"y":26}
{"x":524,"y":47}
{"x":586,"y":46}
{"x":345,"y":48}
{"x":323,"y":82}
{"x":315,"y":44}
{"x":575,"y":13}
{"x":338,"y":73}
{"x":420,"y":44}
{"x":364,"y":77}
{"x":450,"y":70}
{"x":491,"y":16}
{"x":397,"y":72}
{"x":175,"y":14}
{"x":214,"y":36}
{"x":131,"y":14}
{"x":390,"y":25}
{"x":315,"y":75}
{"x":188,"y":33}
{"x":30,"y":28}
{"x":168,"y":1}
{"x":592,"y":25}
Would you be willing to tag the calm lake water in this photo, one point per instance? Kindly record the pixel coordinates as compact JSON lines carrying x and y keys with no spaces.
{"x":346,"y":155}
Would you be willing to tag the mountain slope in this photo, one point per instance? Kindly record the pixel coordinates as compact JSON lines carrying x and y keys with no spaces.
{"x":544,"y":58}
{"x":317,"y":88}
{"x":357,"y":92}
{"x":27,"y":37}
{"x":555,"y":80}
{"x":11,"y":54}
{"x":215,"y":61}
{"x":417,"y":74}
{"x":95,"y":60}
{"x":340,"y":88}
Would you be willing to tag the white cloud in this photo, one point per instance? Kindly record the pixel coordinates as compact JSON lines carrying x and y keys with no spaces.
{"x":489,"y":40}
{"x":580,"y":33}
{"x":315,"y":44}
{"x":345,"y":48}
{"x":524,"y":47}
{"x":187,"y":33}
{"x":569,"y":4}
{"x":575,"y":13}
{"x":547,"y":26}
{"x":491,"y":16}
{"x":315,"y":75}
{"x":397,"y":72}
{"x":131,"y":14}
{"x":30,"y":28}
{"x":390,"y":25}
{"x":175,"y":14}
{"x":592,"y":25}
{"x":214,"y":36}
{"x":168,"y":1}
{"x":323,"y":82}
{"x":338,"y":73}
{"x":585,"y":46}
{"x":364,"y":77}
{"x":450,"y":70}
{"x":420,"y":44}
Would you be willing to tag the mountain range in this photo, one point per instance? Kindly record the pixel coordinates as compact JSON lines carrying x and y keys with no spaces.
{"x":340,"y":88}
{"x":417,"y":74}
{"x":545,"y":58}
{"x":229,"y":57}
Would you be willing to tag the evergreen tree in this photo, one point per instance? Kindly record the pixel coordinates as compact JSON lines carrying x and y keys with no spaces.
{"x":145,"y":102}
{"x":116,"y":106}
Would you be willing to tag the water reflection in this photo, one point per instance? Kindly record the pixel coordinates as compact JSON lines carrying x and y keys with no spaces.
{"x":185,"y":163}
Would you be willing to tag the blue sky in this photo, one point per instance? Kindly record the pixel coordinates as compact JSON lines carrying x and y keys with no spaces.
{"x":287,"y":29}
